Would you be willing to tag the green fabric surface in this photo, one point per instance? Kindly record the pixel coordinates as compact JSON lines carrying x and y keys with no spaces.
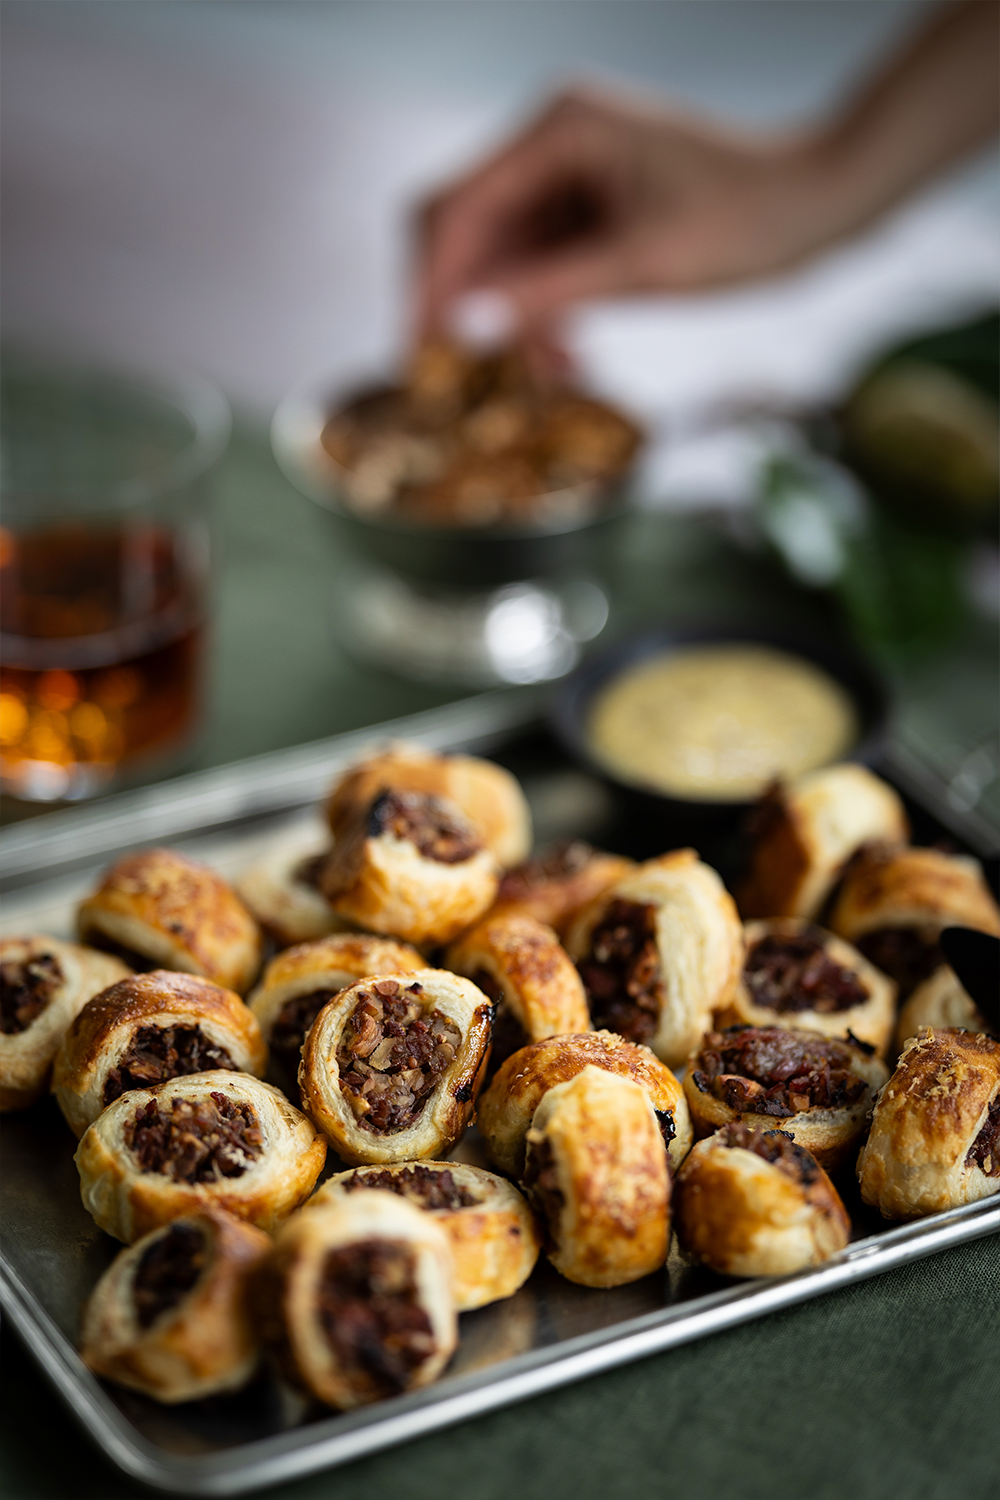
{"x":888,"y":1388}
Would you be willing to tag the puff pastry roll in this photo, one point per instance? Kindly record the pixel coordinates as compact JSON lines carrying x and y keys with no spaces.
{"x":171,"y":1316}
{"x":356,"y":1299}
{"x":659,"y":952}
{"x":490,"y":797}
{"x":941,"y":1002}
{"x":596,"y":1172}
{"x":147,"y":1029}
{"x":391,"y":1066}
{"x":894,"y":903}
{"x":567,"y":877}
{"x":819,"y":1088}
{"x":281,"y":890}
{"x":411,"y":865}
{"x":806,"y":831}
{"x":506,"y":1107}
{"x":750,"y":1202}
{"x":44,"y":984}
{"x":212,"y":1140}
{"x":161,"y":910}
{"x":518,"y":962}
{"x":935,"y":1135}
{"x":490,"y":1228}
{"x":299,"y":982}
{"x":796,"y":975}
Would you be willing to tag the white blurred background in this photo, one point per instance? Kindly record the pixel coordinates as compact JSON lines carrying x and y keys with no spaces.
{"x":226,"y":186}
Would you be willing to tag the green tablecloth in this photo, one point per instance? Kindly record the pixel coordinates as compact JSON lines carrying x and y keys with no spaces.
{"x":888,"y":1387}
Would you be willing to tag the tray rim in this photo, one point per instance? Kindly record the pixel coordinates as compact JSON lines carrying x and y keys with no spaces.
{"x":251,"y":791}
{"x":344,"y":1437}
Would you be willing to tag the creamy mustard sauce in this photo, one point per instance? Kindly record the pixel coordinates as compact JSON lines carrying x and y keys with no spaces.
{"x":718,"y":723}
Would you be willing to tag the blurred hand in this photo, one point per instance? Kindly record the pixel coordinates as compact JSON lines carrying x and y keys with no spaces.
{"x":605,"y":195}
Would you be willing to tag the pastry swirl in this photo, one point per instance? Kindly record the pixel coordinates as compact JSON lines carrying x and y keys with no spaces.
{"x":658,"y":953}
{"x":411,"y":865}
{"x":490,"y":1228}
{"x":301,"y":980}
{"x":935,"y":1135}
{"x":796,"y":975}
{"x":391,"y":1066}
{"x":807,"y":830}
{"x":818,"y":1089}
{"x":519,"y":963}
{"x":506,"y":1107}
{"x":894,"y":903}
{"x":750,"y":1202}
{"x":940,"y":1003}
{"x":281,"y":890}
{"x":560,"y":882}
{"x":211,"y":1140}
{"x":490,"y":797}
{"x":596,"y":1172}
{"x":171,"y":1315}
{"x":356,"y":1300}
{"x":161,"y":910}
{"x":146,"y":1029}
{"x":44,"y":984}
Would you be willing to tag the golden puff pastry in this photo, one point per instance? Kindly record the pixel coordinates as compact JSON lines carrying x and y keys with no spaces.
{"x":171,"y":1316}
{"x":161,"y":910}
{"x":211,"y":1140}
{"x":490,"y":797}
{"x":506,"y":1107}
{"x":659,"y":952}
{"x":596,"y":1172}
{"x":299,"y":982}
{"x":147,"y":1029}
{"x":819,"y":1089}
{"x":940,"y":1002}
{"x":750,"y":1202}
{"x":356,"y":1299}
{"x":567,"y":877}
{"x":518,"y":962}
{"x":44,"y":984}
{"x":796,"y":975}
{"x":491,"y":1229}
{"x":281,"y":890}
{"x":410,"y":865}
{"x":935,"y":1134}
{"x":807,"y":830}
{"x":894,"y":903}
{"x":391,"y":1067}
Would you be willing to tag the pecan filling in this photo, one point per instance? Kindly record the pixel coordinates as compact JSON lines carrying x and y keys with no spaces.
{"x":794,"y":972}
{"x":541,"y":1188}
{"x":438,"y":831}
{"x":766,"y":1071}
{"x":425,"y":1187}
{"x":907,"y":954}
{"x":559,"y":863}
{"x":26,"y":989}
{"x":292,"y":1026}
{"x":157,"y":1053}
{"x":167,"y":1271}
{"x":367,"y":1306}
{"x":621,"y":974}
{"x":140,"y":962}
{"x":198,"y":1140}
{"x":985,"y":1149}
{"x":392,"y":1054}
{"x":509,"y":1036}
{"x":775,"y":1146}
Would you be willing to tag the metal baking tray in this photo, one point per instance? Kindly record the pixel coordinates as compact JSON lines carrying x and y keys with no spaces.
{"x":550,"y":1333}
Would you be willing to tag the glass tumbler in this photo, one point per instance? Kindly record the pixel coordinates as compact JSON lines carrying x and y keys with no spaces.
{"x":104,"y":570}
